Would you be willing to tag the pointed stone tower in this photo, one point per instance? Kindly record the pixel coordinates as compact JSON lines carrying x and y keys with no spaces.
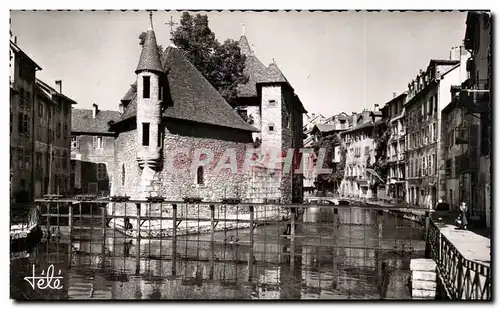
{"x":149,"y":99}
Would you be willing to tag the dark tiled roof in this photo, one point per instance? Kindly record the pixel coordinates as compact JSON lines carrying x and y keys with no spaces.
{"x":244,"y":46}
{"x":192,"y":97}
{"x":18,"y":50}
{"x":130,"y":93}
{"x":150,"y":58}
{"x":325,"y":127}
{"x":82,"y":121}
{"x":364,"y":125}
{"x":274,"y":75}
{"x":256,"y":71}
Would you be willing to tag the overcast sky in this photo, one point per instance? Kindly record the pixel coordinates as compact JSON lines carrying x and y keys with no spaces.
{"x":335,"y":61}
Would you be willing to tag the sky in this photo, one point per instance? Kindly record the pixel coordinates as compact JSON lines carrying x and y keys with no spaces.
{"x":335,"y":61}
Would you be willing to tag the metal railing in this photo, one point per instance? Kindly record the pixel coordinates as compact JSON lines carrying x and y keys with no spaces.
{"x":462,"y":279}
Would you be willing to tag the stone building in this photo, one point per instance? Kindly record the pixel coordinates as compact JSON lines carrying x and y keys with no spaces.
{"x":309,"y":124}
{"x":269,"y":103}
{"x":360,"y":145}
{"x":22,"y":82}
{"x":396,"y":184}
{"x":92,"y":150}
{"x":475,"y":95}
{"x":177,"y":132}
{"x":460,"y":150}
{"x":332,"y":126}
{"x":427,"y":95}
{"x":52,"y":122}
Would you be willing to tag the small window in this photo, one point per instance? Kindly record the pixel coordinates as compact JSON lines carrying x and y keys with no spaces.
{"x":159,"y":136}
{"x":146,"y":85}
{"x":26,"y":125}
{"x":271,"y":127}
{"x":199,"y":176}
{"x":145,"y":134}
{"x":160,"y":90}
{"x":40,"y":110}
{"x":272,"y":102}
{"x":27,"y":160}
{"x":74,"y":142}
{"x":123,"y":175}
{"x":101,"y":171}
{"x":98,"y":142}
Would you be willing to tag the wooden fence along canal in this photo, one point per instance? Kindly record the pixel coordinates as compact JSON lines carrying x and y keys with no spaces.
{"x":156,"y":218}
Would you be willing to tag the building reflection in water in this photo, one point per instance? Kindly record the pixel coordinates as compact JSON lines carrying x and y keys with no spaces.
{"x":340,"y":255}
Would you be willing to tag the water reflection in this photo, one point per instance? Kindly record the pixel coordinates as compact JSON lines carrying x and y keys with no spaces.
{"x":351,"y":255}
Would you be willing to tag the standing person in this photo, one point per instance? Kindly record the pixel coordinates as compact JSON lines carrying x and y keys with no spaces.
{"x":463,"y":216}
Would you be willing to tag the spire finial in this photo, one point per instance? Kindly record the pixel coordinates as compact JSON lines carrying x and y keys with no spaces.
{"x":150,"y":20}
{"x":243,"y":26}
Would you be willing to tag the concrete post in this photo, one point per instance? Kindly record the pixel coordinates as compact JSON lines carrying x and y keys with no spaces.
{"x":423,"y":279}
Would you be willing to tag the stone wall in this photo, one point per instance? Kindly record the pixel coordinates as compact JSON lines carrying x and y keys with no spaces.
{"x":87,"y":157}
{"x":177,"y":178}
{"x":126,"y":172}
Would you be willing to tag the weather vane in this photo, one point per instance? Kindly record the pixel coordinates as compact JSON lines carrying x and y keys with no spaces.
{"x":171,"y":23}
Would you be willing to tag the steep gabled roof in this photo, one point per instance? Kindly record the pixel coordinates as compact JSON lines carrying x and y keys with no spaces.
{"x":256,"y":71}
{"x":82,"y":121}
{"x":192,"y":97}
{"x":19,"y":51}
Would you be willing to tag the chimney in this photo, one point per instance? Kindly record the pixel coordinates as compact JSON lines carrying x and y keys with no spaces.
{"x":375,"y":108}
{"x":464,"y":56}
{"x":59,"y":84}
{"x":15,"y":40}
{"x":313,"y":115}
{"x":95,"y":109}
{"x":393,"y":95}
{"x":354,"y":113}
{"x":455,"y":53}
{"x":120,"y":108}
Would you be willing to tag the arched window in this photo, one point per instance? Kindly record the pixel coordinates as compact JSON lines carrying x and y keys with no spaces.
{"x":123,"y":174}
{"x":199,"y":175}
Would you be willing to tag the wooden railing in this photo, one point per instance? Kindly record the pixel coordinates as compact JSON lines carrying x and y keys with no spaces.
{"x":462,"y":279}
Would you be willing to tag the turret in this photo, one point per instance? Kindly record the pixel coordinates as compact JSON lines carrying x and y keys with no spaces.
{"x":149,"y":99}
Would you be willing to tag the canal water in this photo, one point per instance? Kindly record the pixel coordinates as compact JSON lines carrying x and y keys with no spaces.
{"x":356,"y":257}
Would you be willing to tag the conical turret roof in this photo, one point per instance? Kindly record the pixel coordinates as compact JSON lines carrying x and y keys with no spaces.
{"x":150,"y":58}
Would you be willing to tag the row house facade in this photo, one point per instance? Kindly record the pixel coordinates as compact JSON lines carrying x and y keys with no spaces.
{"x":333,"y":126}
{"x":52,"y":122}
{"x":474,"y":100}
{"x":22,"y":82}
{"x":396,"y":176}
{"x":92,"y":151}
{"x":309,"y":123}
{"x":460,"y":149}
{"x":427,"y":95}
{"x":360,"y":145}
